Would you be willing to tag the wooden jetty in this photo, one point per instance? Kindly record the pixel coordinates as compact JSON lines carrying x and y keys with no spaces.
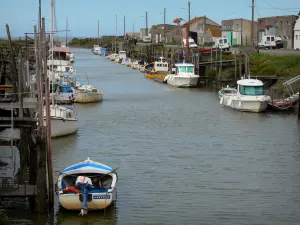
{"x":22,"y":106}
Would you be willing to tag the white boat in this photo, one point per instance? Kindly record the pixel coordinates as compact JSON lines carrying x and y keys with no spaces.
{"x":126,"y":61}
{"x":87,"y":185}
{"x":227,"y":90}
{"x":63,"y":120}
{"x":184,"y":76}
{"x":249,"y":96}
{"x":88,"y":94}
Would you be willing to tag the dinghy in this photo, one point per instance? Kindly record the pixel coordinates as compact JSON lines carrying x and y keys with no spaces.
{"x":87,"y":185}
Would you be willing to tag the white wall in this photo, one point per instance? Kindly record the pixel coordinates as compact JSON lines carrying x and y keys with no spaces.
{"x":297,"y":35}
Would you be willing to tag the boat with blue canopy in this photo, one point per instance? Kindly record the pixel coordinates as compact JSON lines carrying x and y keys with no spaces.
{"x":87,"y":185}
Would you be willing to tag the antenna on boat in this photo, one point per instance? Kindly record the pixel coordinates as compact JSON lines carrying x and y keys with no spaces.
{"x":87,"y":78}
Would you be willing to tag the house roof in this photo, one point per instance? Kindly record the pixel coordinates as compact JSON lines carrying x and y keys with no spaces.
{"x":215,"y":31}
{"x":60,"y":49}
{"x":194,"y":20}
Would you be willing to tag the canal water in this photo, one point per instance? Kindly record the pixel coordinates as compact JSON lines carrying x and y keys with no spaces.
{"x":181,"y":158}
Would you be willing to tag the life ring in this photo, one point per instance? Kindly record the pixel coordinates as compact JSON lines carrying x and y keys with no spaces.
{"x":72,"y":189}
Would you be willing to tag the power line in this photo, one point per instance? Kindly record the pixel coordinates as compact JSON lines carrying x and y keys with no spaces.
{"x":287,"y":10}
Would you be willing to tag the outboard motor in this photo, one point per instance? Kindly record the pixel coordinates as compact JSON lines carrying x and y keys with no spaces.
{"x":84,"y":184}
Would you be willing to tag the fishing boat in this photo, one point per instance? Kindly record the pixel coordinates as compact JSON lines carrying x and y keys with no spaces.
{"x":183,"y":76}
{"x":249,"y":96}
{"x":159,"y":69}
{"x":63,"y":118}
{"x":88,"y":94}
{"x":64,"y":94}
{"x":227,"y":90}
{"x":96,"y":49}
{"x":87,"y":185}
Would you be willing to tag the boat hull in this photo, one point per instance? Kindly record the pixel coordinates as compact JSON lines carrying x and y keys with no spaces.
{"x":182,"y":81}
{"x":60,"y":127}
{"x":99,"y":201}
{"x":82,"y":97}
{"x":160,"y":77}
{"x":247,"y":105}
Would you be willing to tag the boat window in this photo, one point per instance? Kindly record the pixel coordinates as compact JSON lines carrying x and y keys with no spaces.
{"x":182,"y":69}
{"x":225,"y":41}
{"x":67,"y":69}
{"x":190,"y":69}
{"x":251,"y":90}
{"x":221,"y":41}
{"x":66,"y":89}
{"x":94,"y":90}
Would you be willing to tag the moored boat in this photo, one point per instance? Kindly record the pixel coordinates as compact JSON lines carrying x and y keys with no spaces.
{"x":226,"y":90}
{"x":88,"y":94}
{"x":157,"y":70}
{"x":87,"y":185}
{"x":248,"y":97}
{"x":183,"y":76}
{"x":63,"y":120}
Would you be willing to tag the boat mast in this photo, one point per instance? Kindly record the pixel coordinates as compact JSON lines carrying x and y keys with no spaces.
{"x":52,"y":45}
{"x":98,"y":34}
{"x":116,"y":33}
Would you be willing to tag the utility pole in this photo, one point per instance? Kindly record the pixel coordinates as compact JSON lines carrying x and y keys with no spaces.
{"x":146,"y":23}
{"x":188,"y":32}
{"x":66,"y":31}
{"x":252,"y":25}
{"x":124,"y":28}
{"x":98,"y":33}
{"x":165,"y":25}
{"x":40,"y":16}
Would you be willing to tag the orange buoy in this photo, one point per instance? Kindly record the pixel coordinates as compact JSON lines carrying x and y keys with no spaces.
{"x":72,"y":189}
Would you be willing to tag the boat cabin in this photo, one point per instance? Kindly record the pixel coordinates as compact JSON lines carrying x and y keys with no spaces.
{"x":250,"y":87}
{"x":122,"y":54}
{"x":184,"y":69}
{"x":161,"y":64}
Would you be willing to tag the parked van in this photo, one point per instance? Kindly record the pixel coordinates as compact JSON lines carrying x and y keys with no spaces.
{"x":192,"y":43}
{"x":221,"y":43}
{"x":147,"y":39}
{"x":269,"y":41}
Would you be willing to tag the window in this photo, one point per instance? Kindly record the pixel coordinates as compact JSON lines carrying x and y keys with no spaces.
{"x":268,"y":38}
{"x":287,"y":22}
{"x":220,"y":41}
{"x":182,"y":69}
{"x":190,"y":69}
{"x":251,"y":90}
{"x":225,"y":41}
{"x":236,"y":25}
{"x":281,"y":23}
{"x":272,"y":38}
{"x":296,"y":37}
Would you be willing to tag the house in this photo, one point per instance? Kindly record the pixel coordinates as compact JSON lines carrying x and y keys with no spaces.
{"x":238,"y":31}
{"x":203,"y":30}
{"x":297,"y":34}
{"x":158,"y":32}
{"x":281,"y":26}
{"x":135,"y":35}
{"x":144,"y":33}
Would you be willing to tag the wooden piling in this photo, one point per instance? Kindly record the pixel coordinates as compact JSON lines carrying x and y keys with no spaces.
{"x":13,"y":67}
{"x":48,"y":121}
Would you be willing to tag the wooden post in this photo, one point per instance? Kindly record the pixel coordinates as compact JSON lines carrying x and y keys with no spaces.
{"x":13,"y":66}
{"x":41,"y":151}
{"x":240,"y":64}
{"x":48,"y":121}
{"x":38,"y":79}
{"x":235,"y":66}
{"x":20,"y":85}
